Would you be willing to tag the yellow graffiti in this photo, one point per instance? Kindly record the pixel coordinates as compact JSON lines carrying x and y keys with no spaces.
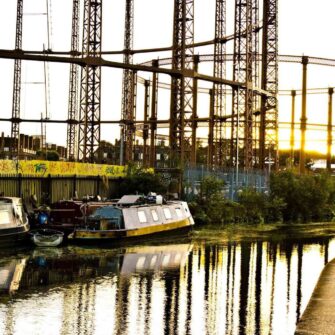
{"x":45,"y":168}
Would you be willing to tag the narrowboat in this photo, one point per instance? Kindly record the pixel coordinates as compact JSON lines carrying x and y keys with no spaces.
{"x":134,"y":216}
{"x":14,"y":225}
{"x":65,"y":215}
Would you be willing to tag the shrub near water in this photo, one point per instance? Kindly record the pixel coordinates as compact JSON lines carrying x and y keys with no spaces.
{"x":292,"y":197}
{"x":306,"y":197}
{"x":210,"y":206}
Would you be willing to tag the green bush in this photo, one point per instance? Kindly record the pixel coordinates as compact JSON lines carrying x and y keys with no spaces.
{"x":306,"y":197}
{"x":141,"y":181}
{"x":292,"y":197}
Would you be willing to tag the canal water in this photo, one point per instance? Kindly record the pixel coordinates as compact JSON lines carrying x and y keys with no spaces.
{"x":237,"y":280}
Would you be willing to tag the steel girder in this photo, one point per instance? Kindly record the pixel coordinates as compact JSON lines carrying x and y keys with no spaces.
{"x":16,"y":106}
{"x":89,"y":120}
{"x":182,"y":105}
{"x":255,"y":78}
{"x":219,"y":152}
{"x":73,"y":87}
{"x":243,"y":99}
{"x":128,"y":86}
{"x":269,"y":106}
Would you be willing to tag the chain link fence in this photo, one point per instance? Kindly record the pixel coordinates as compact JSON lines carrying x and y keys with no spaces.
{"x":234,"y":180}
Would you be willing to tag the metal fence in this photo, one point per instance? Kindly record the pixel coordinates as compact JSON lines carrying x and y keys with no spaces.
{"x":234,"y":180}
{"x":54,"y":188}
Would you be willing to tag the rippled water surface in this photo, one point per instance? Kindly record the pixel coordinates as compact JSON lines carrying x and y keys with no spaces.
{"x":242,"y":280}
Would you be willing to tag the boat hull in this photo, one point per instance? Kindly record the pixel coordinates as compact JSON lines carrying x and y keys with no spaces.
{"x":115,"y":236}
{"x":14,"y":236}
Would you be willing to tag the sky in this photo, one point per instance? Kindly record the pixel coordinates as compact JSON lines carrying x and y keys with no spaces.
{"x":304,"y":28}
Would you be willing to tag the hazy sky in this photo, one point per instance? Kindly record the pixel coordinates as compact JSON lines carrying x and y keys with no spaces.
{"x":305,"y":27}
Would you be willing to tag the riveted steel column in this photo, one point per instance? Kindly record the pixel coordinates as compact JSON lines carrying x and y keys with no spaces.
{"x":303,"y":119}
{"x":330,"y":128}
{"x":153,"y":117}
{"x":146,"y":125}
{"x":292,"y":140}
{"x":193,"y":157}
{"x":210,"y":149}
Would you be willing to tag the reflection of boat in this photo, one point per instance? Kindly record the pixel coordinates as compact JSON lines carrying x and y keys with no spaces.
{"x":131,"y":218}
{"x":59,"y":266}
{"x":13,"y":221}
{"x":155,"y":258}
{"x":46,"y":237}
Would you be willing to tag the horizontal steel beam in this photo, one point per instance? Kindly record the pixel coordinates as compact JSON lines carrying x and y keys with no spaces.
{"x":98,"y":61}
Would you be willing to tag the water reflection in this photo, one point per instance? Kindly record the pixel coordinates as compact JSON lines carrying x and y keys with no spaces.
{"x":259,"y":287}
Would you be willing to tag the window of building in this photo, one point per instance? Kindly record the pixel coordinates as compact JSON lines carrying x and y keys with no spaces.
{"x":142,"y":217}
{"x":167,"y":213}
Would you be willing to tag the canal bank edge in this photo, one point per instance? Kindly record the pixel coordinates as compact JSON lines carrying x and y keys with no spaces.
{"x":319,"y":316}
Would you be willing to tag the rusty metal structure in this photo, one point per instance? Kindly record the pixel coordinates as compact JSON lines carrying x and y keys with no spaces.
{"x":128,"y":87}
{"x":268,"y":144}
{"x":217,"y":130}
{"x":244,"y":134}
{"x":89,"y":118}
{"x":16,"y":105}
{"x":73,"y":86}
{"x":182,"y":104}
{"x":242,"y":109}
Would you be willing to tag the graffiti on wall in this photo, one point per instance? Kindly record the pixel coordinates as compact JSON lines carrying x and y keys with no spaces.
{"x":44,"y":168}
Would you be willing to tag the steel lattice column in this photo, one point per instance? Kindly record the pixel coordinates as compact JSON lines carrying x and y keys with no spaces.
{"x":219,"y":92}
{"x":89,"y":124}
{"x":73,"y":87}
{"x":181,"y":112}
{"x":242,"y":120}
{"x":269,"y":106}
{"x":16,"y":106}
{"x":128,"y":89}
{"x":255,"y":77}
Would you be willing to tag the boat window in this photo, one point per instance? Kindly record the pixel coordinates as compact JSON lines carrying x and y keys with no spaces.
{"x":179,"y":212}
{"x":142,"y":217}
{"x":166,"y":260}
{"x":153,"y":261}
{"x":4,"y":217}
{"x":154,"y":214}
{"x":167,"y":213}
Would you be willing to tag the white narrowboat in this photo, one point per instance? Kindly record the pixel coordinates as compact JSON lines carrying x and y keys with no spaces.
{"x":133,"y":217}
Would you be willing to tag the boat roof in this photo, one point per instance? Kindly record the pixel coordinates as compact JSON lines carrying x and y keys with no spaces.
{"x":12,"y":199}
{"x":130,"y":199}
